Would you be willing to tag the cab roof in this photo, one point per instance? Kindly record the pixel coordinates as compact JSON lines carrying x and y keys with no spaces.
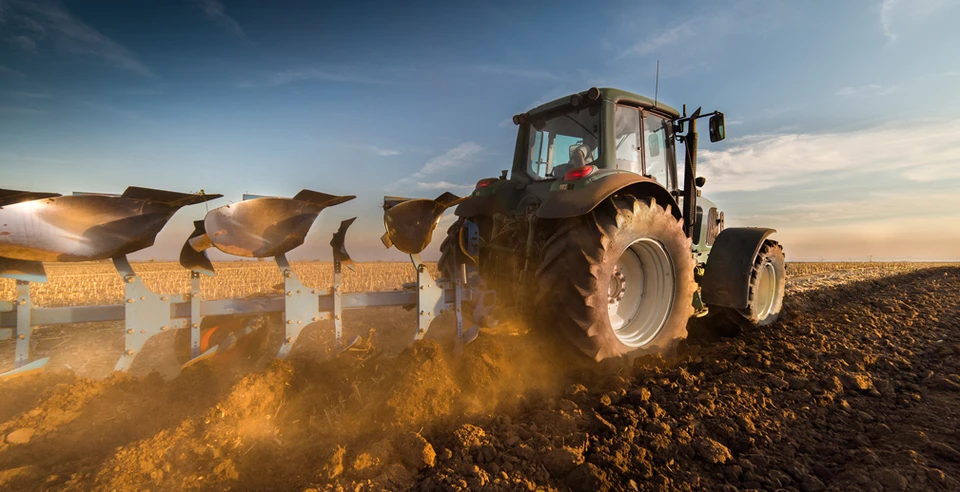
{"x":616,"y":96}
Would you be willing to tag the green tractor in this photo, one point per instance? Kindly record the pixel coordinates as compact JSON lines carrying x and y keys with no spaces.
{"x":598,"y":237}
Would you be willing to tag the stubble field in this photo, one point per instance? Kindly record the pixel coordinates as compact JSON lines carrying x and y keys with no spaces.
{"x":857,"y":387}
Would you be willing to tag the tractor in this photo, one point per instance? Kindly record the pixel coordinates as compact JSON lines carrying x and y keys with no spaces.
{"x":602,"y":240}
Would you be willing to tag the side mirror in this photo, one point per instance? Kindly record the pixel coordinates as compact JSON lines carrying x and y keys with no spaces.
{"x":700,"y":181}
{"x":717,"y":130}
{"x":653,"y":145}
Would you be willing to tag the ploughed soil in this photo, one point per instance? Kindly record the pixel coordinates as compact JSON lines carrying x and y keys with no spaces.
{"x":857,"y":387}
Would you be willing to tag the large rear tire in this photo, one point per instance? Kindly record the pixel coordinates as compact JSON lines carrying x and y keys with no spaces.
{"x":617,"y":281}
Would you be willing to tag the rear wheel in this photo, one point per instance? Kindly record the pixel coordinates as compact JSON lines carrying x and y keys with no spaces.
{"x":618,"y":280}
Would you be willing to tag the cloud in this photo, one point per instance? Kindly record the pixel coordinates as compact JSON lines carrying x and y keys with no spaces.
{"x":24,"y":43}
{"x":31,"y":95}
{"x":664,"y":39}
{"x":383,"y":152}
{"x":442,"y":186}
{"x":47,"y":18}
{"x":872,"y":90}
{"x":22,"y":111}
{"x":513,"y":72}
{"x":10,"y":72}
{"x":453,"y":159}
{"x":291,"y":76}
{"x":920,"y":151}
{"x":216,"y":11}
{"x":897,"y":14}
{"x":886,"y":18}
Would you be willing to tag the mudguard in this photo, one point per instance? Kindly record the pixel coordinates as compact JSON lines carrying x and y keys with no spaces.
{"x":726,"y":281}
{"x":564,"y":203}
{"x":501,"y":197}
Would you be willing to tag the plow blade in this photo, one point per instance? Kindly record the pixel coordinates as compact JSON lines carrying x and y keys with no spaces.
{"x":193,"y":258}
{"x":9,"y":197}
{"x":339,"y":248}
{"x":263,"y":226}
{"x":86,"y":227}
{"x":410,"y":222}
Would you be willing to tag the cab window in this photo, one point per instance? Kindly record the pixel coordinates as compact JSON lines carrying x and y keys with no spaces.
{"x":657,"y":145}
{"x":627,"y":139}
{"x":563,"y":141}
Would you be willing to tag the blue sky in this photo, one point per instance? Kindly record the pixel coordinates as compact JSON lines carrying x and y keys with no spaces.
{"x":843,"y":117}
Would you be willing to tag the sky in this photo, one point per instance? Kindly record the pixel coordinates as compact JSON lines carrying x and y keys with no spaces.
{"x":843,"y":118}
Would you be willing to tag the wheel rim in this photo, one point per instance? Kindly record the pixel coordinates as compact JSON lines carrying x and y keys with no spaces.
{"x":766,"y":290}
{"x":641,"y":292}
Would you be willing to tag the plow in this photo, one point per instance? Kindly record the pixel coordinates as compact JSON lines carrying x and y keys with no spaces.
{"x":595,"y":235}
{"x":37,"y":227}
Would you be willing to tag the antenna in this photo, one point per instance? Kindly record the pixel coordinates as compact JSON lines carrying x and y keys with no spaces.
{"x":656,"y":90}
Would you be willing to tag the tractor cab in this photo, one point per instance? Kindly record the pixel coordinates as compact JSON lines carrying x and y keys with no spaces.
{"x":608,"y":129}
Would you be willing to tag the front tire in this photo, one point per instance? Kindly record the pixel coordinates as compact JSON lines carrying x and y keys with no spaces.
{"x":618,"y":280}
{"x":767,"y":283}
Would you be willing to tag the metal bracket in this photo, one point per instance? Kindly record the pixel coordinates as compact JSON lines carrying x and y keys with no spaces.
{"x":301,"y":306}
{"x":430,"y":298}
{"x":337,"y":302}
{"x":24,"y":327}
{"x":146,"y":313}
{"x":195,"y":300}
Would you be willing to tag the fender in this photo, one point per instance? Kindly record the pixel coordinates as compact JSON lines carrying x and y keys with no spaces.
{"x":726,"y":281}
{"x":561,"y":203}
{"x":499,"y":197}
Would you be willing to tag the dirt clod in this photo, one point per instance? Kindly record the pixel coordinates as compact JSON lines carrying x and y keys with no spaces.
{"x":21,"y":436}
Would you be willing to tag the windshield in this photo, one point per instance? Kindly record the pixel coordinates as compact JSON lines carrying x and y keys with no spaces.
{"x":570,"y":138}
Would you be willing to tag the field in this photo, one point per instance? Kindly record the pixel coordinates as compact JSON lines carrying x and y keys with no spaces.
{"x":857,"y":387}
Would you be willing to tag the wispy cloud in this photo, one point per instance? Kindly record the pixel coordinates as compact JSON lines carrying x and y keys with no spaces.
{"x":22,"y":111}
{"x":31,"y":95}
{"x":886,"y":18}
{"x":895,"y":14}
{"x":441,"y":186}
{"x":6,"y":71}
{"x":513,"y":71}
{"x":383,"y":152}
{"x":217,"y":12}
{"x":918,"y":151}
{"x":291,"y":76}
{"x":50,"y":19}
{"x":664,"y":39}
{"x":24,"y":43}
{"x":453,"y":159}
{"x":871,"y":90}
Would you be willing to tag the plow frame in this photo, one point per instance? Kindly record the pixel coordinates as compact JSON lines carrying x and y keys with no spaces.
{"x":146,"y":313}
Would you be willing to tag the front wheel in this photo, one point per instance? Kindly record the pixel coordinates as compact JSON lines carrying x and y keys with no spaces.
{"x":767,"y":282}
{"x":617,"y":280}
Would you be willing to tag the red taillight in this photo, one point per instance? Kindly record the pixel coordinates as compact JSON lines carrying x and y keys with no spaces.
{"x":483,"y":183}
{"x":578,"y":173}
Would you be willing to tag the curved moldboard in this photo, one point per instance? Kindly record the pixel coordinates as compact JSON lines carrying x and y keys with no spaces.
{"x":261,"y":227}
{"x":80,"y":227}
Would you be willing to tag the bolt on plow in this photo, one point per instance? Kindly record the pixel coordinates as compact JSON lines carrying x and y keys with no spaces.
{"x":596,"y":236}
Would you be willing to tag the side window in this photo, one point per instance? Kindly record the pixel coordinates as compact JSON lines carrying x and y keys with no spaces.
{"x":627,"y":135}
{"x":655,"y":148}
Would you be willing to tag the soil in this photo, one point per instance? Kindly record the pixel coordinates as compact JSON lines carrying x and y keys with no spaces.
{"x":857,"y":387}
